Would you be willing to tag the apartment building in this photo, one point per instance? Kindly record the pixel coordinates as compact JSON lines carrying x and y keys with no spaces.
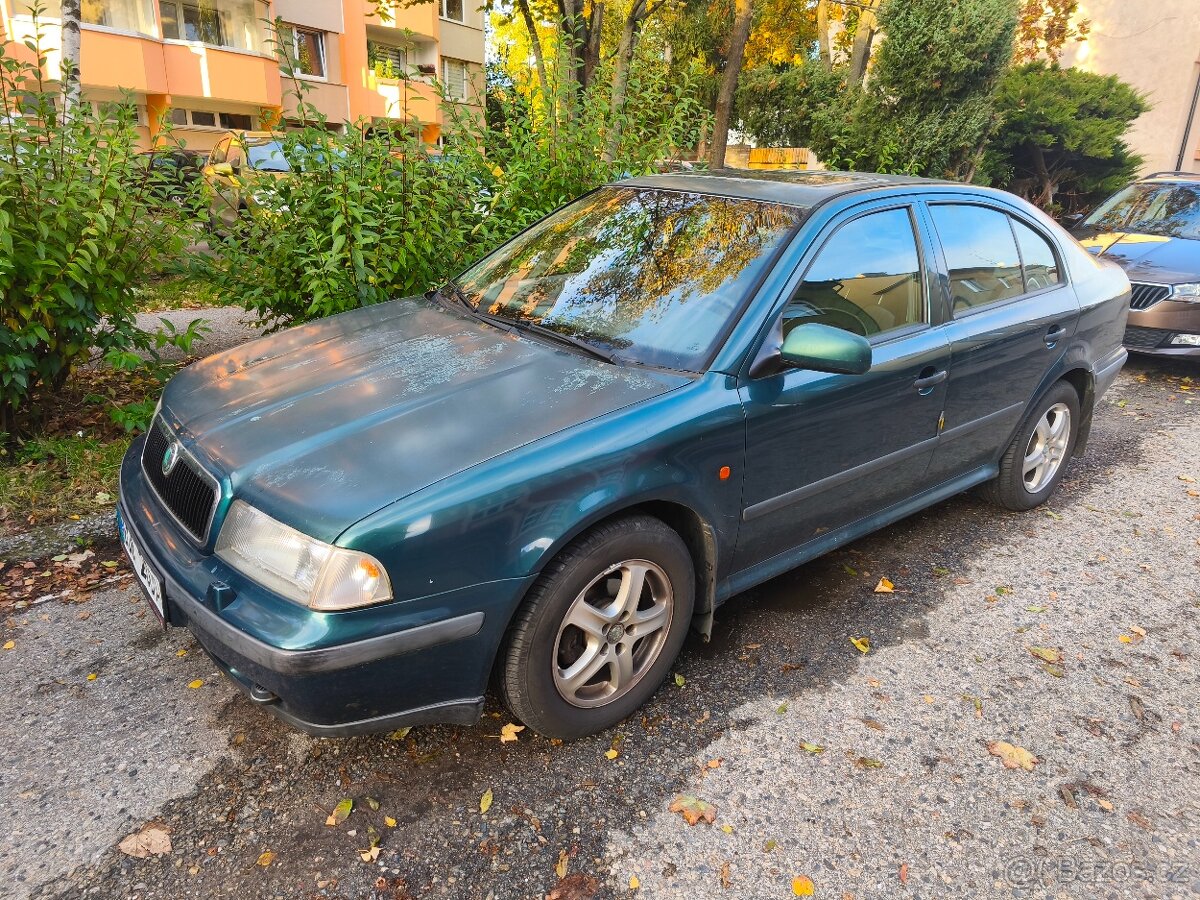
{"x":206,"y":66}
{"x":1156,"y":48}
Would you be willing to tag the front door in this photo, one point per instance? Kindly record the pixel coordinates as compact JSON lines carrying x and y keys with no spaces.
{"x":824,"y":451}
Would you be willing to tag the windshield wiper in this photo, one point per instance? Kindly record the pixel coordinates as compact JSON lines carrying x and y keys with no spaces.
{"x":453,"y":291}
{"x":550,"y":333}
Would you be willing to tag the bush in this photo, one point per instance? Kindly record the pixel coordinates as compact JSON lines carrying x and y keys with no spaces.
{"x":81,"y":220}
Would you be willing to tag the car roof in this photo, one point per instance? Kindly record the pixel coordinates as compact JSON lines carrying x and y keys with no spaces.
{"x":794,"y":187}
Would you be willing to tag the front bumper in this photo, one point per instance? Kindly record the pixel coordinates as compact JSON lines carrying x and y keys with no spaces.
{"x":407,"y":662}
{"x":1151,"y":330}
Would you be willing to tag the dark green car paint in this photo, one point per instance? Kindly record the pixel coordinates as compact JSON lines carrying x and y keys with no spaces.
{"x":464,"y":458}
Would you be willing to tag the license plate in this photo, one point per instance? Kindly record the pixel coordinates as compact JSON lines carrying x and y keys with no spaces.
{"x":148,"y":578}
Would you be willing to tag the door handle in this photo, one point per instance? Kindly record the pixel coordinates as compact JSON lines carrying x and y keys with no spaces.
{"x":925,"y":382}
{"x":1055,"y":334}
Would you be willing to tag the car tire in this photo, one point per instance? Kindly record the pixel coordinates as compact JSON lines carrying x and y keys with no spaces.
{"x":581,"y":617}
{"x":1050,"y":428}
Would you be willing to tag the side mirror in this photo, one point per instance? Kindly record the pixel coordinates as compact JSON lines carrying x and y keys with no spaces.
{"x":1072,"y":219}
{"x":824,"y":348}
{"x":223,"y":169}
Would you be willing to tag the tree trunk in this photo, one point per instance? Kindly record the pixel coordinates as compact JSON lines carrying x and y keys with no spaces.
{"x":823,"y":43}
{"x":729,"y":80}
{"x":864,"y":34}
{"x":71,"y":89}
{"x":593,"y":32}
{"x":536,"y":45}
{"x":638,"y":13}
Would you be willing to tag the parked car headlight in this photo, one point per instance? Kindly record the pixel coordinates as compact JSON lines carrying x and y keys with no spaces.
{"x":1189,"y":293}
{"x":298,"y":567}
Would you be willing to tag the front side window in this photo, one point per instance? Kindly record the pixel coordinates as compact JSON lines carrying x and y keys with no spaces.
{"x":654,"y":277}
{"x":1037,"y":258}
{"x":267,"y":156}
{"x":866,"y":279}
{"x":980,"y":254}
{"x":1166,"y":210}
{"x":453,"y":10}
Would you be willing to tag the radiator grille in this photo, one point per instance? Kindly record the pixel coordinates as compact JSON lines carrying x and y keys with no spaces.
{"x":1145,"y":338}
{"x":1146,"y":295}
{"x":184,"y":488}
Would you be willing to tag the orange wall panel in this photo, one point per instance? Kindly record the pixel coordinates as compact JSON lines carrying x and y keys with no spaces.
{"x":123,"y":62}
{"x":194,"y":71}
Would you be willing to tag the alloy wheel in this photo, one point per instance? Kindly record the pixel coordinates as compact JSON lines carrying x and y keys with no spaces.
{"x":612,"y":633}
{"x":1047,"y":448}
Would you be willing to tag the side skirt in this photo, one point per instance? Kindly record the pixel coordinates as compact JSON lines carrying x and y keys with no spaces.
{"x":790,"y":559}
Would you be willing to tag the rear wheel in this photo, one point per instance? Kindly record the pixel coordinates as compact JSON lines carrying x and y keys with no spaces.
{"x":1034,"y":463}
{"x":600,"y":629}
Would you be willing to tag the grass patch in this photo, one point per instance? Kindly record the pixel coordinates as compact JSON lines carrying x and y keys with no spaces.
{"x":177,"y":292}
{"x":68,"y":468}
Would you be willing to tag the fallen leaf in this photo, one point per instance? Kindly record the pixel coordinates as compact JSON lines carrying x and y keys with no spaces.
{"x":369,"y":855}
{"x":872,"y":724}
{"x":862,"y":644}
{"x":91,"y":676}
{"x":867,"y":762}
{"x":340,"y":812}
{"x":811,"y":748}
{"x":782,"y":708}
{"x":634,"y":883}
{"x":1140,"y":632}
{"x":1012,"y":756}
{"x":1046,"y":654}
{"x":885,"y":587}
{"x":8,"y":645}
{"x":389,"y":821}
{"x":1139,"y":820}
{"x":680,"y":681}
{"x":575,"y":886}
{"x":611,"y":754}
{"x":198,"y":683}
{"x":904,"y":873}
{"x":1068,"y":796}
{"x":400,"y":733}
{"x":266,"y":858}
{"x":509,"y":732}
{"x":850,"y":570}
{"x":929,"y":698}
{"x":1035,"y":609}
{"x":560,"y":868}
{"x":802,"y":886}
{"x":181,"y":652}
{"x":373,"y":803}
{"x":1125,"y":639}
{"x":693,"y":809}
{"x":485,"y":802}
{"x":727,"y":828}
{"x":726,"y":878}
{"x":152,"y":840}
{"x":1105,"y":805}
{"x":715,"y":763}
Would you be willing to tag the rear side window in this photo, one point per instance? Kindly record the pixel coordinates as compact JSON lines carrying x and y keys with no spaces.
{"x":1041,"y":267}
{"x":980,"y":254}
{"x":866,"y":279}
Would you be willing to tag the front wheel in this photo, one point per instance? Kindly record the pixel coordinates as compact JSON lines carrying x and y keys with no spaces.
{"x":599,"y":630}
{"x":1034,"y":463}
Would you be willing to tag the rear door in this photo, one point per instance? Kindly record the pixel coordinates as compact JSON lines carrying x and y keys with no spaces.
{"x":1012,"y":312}
{"x":824,"y":450}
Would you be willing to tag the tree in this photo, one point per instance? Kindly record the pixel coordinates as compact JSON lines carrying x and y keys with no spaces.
{"x":1063,"y":134}
{"x":743,"y":13}
{"x":928,"y":108}
{"x":1045,"y":26}
{"x":777,"y":104}
{"x":71,"y":90}
{"x":639,"y":12}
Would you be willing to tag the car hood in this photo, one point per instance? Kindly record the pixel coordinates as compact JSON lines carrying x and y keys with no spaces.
{"x":326,"y":423}
{"x":1146,"y":257}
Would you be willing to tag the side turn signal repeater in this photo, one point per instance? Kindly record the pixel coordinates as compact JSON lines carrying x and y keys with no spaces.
{"x":723,"y":473}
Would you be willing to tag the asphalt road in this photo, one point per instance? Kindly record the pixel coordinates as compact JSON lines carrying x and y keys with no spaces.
{"x":896,"y":794}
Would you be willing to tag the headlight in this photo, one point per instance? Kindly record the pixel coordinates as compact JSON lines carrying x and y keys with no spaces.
{"x":294,"y":565}
{"x":1189,"y":293}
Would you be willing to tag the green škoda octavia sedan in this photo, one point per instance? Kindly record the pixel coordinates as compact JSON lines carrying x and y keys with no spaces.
{"x":670,"y":390}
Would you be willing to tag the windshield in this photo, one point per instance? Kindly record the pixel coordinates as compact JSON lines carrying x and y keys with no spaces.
{"x":1169,"y":210}
{"x":267,"y":156}
{"x":653,"y":276}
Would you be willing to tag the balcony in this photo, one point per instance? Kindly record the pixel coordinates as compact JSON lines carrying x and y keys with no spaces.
{"x":422,"y":19}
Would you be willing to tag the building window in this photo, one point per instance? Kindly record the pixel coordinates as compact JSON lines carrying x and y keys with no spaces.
{"x":123,"y":15}
{"x":305,"y":50}
{"x":453,"y":10}
{"x":197,"y":118}
{"x":113,"y":111}
{"x":387,"y":60}
{"x":455,"y":78}
{"x":234,"y":23}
